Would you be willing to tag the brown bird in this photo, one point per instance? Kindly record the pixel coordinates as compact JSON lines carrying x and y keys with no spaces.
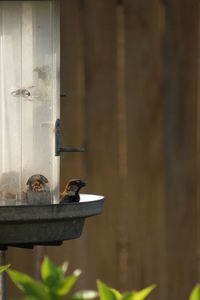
{"x":71,"y":191}
{"x":37,"y":183}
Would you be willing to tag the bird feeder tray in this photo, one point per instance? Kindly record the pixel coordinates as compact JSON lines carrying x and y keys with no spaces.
{"x":27,"y":226}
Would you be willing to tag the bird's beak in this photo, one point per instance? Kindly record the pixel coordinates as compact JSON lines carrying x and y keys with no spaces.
{"x":82,"y":183}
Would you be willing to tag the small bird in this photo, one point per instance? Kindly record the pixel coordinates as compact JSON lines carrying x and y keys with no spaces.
{"x":71,"y":191}
{"x":37,"y":183}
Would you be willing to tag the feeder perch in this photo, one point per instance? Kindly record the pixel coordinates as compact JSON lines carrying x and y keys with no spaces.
{"x":30,"y":131}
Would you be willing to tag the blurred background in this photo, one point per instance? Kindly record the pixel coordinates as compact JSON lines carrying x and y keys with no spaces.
{"x":130,"y":69}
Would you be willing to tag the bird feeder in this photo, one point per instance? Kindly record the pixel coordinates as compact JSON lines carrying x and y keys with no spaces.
{"x":30,"y":135}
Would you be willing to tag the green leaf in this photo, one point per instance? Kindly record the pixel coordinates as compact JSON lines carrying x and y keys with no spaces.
{"x":49,"y":272}
{"x":140,"y":295}
{"x":66,"y":285}
{"x":195,"y":294}
{"x":54,"y":278}
{"x":32,"y":288}
{"x":84,"y":295}
{"x":129,"y":296}
{"x":4,"y":268}
{"x":64,"y":267}
{"x":118,"y":295}
{"x":144,"y":293}
{"x":105,"y":292}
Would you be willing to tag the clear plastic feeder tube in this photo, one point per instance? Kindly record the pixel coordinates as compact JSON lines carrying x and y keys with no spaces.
{"x":29,"y":101}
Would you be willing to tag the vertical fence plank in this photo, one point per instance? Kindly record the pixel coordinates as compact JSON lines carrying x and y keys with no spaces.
{"x":123,"y":197}
{"x":72,"y":82}
{"x":72,"y":115}
{"x":101,"y":131}
{"x":143,"y":25}
{"x":21,"y":260}
{"x":180,"y":98}
{"x":198,"y":149}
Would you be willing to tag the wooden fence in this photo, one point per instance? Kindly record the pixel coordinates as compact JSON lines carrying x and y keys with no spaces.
{"x":131,"y":72}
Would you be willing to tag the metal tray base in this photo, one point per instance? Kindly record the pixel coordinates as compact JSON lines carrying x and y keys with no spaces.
{"x":27,"y":226}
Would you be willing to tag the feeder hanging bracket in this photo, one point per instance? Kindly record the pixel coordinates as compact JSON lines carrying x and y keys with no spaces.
{"x":58,"y":142}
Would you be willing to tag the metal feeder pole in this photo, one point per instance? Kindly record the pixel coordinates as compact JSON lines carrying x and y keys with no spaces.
{"x":3,"y":275}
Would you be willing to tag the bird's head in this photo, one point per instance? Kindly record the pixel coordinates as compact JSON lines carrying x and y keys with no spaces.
{"x":74,"y":185}
{"x":37,"y":183}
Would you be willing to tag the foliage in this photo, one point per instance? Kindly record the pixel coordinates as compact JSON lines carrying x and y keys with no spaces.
{"x":195,"y":295}
{"x":107,"y":293}
{"x":54,"y":284}
{"x":4,"y":268}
